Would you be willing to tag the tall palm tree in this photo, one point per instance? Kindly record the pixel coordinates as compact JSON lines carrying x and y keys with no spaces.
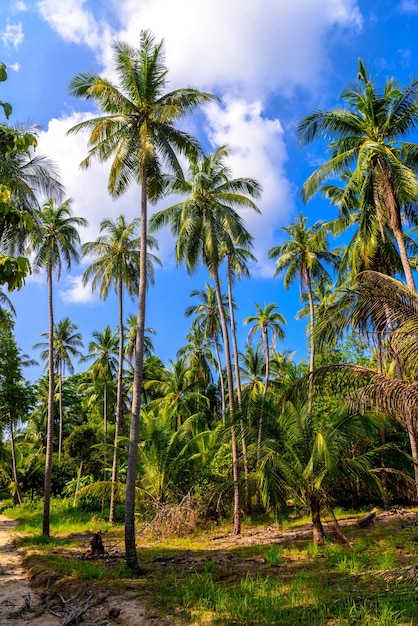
{"x":104,"y":349}
{"x":368,"y":137}
{"x":302,"y":256}
{"x":206,"y":315}
{"x":206,"y":224}
{"x":53,"y":243}
{"x":138,"y":131}
{"x":269,"y":322}
{"x":66,"y":343}
{"x":117,"y":254}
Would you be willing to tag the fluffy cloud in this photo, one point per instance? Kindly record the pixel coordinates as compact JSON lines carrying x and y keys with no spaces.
{"x":257,"y":150}
{"x":12,"y":35}
{"x":77,"y":293}
{"x":74,"y":23}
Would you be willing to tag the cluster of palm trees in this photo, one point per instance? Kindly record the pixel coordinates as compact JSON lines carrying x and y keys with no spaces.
{"x":283,"y":436}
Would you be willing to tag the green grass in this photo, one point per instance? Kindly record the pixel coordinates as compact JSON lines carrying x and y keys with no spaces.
{"x":256,"y":584}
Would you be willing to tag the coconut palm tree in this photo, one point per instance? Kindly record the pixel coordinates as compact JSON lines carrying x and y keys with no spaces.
{"x":54,"y":243}
{"x":302,"y":256}
{"x":312,"y":453}
{"x":269,"y":322}
{"x":368,"y":138}
{"x":206,"y":315}
{"x":117,"y":253}
{"x":206,"y":224}
{"x":138,"y":131}
{"x":66,"y":343}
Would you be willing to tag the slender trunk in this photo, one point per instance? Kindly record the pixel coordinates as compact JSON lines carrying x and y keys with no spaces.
{"x":14,"y":468}
{"x":312,"y":342}
{"x":231,"y":400}
{"x":50,"y":421}
{"x":395,"y":222}
{"x":318,"y":529}
{"x":60,"y":374}
{"x":221,"y":381}
{"x":104,"y":438}
{"x":260,"y":421}
{"x":239,"y":390}
{"x":130,"y":543}
{"x":112,"y":512}
{"x":78,"y":483}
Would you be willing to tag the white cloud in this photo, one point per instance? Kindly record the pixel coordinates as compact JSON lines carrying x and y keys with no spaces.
{"x":257,"y":150}
{"x":19,"y":7}
{"x":12,"y":35}
{"x":15,"y":67}
{"x":77,"y":293}
{"x":409,"y":7}
{"x":87,"y":188}
{"x":73,"y":23}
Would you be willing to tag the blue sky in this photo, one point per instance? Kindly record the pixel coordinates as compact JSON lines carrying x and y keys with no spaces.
{"x":271,"y":62}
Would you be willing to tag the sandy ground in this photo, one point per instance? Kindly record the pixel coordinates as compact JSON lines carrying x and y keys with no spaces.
{"x":19,"y":605}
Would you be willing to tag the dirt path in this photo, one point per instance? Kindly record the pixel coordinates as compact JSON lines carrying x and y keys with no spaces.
{"x":16,"y":598}
{"x":19,"y":605}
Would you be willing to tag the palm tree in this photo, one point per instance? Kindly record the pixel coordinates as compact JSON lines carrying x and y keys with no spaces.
{"x":117,"y":254}
{"x":137,"y":130}
{"x":66,"y":343}
{"x":312,"y":453}
{"x":302,"y":256}
{"x":207,"y":317}
{"x":55,"y":241}
{"x":267,"y":321}
{"x":368,"y":134}
{"x":207,"y":225}
{"x":104,"y":349}
{"x":380,"y":304}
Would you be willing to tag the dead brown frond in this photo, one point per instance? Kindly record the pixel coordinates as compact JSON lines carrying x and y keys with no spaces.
{"x":173,"y":519}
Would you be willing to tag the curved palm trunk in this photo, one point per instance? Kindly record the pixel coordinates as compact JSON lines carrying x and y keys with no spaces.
{"x":394,"y":218}
{"x":238,"y":385}
{"x":231,"y":400}
{"x":50,"y":421}
{"x":130,"y":543}
{"x":112,"y":512}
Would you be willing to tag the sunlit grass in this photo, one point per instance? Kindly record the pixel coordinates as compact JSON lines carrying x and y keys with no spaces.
{"x":259,"y":583}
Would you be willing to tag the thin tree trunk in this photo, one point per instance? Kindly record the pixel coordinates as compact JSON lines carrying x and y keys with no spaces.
{"x":221,"y":381}
{"x":260,"y":421}
{"x":50,"y":421}
{"x":14,"y":468}
{"x":130,"y":542}
{"x":239,"y":390}
{"x":318,"y":529}
{"x":60,"y":410}
{"x":112,"y":512}
{"x":231,"y":399}
{"x":312,"y":342}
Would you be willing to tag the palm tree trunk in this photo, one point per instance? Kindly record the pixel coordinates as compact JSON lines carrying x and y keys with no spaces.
{"x":221,"y":381}
{"x":312,"y":342}
{"x":230,"y":381}
{"x":130,"y":543}
{"x":60,"y":409}
{"x":50,"y":421}
{"x":112,"y":512}
{"x":260,"y":422}
{"x":318,"y":529}
{"x":239,"y":390}
{"x":14,"y":468}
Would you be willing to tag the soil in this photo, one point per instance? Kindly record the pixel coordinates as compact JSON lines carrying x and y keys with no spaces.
{"x":45,"y":599}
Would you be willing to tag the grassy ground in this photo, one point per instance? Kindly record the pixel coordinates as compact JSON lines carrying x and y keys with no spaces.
{"x":269,"y":575}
